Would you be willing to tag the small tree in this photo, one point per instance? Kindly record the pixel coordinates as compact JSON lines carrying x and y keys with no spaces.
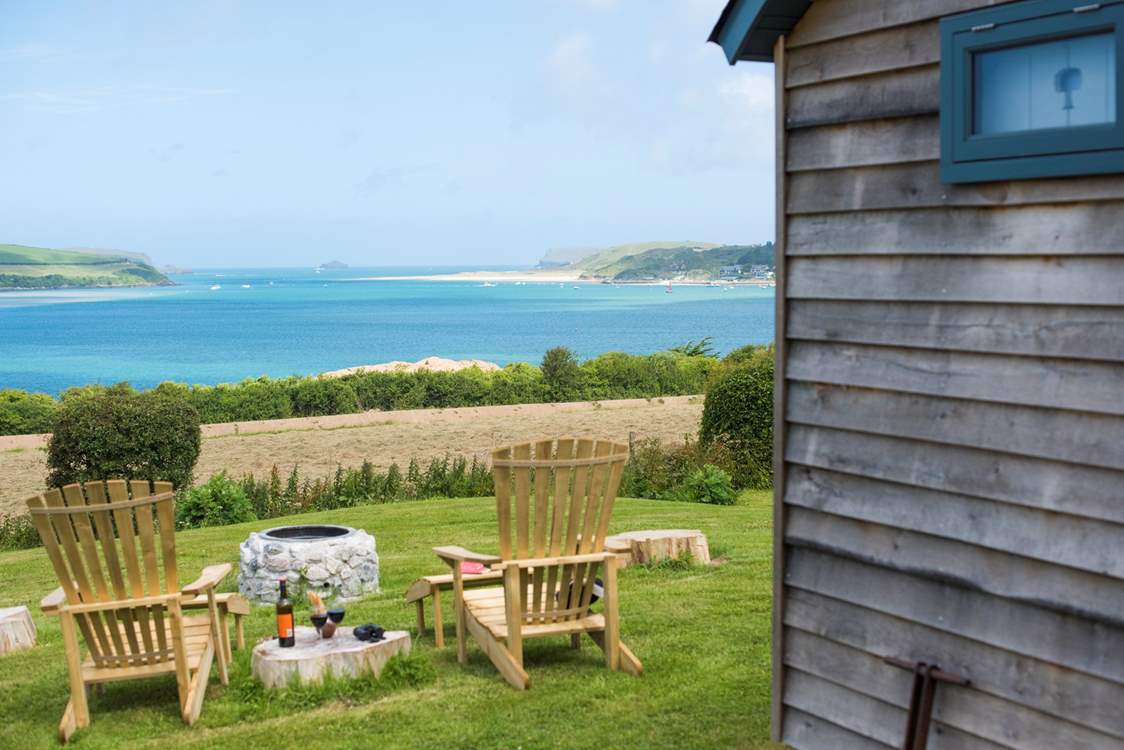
{"x":101,"y":433}
{"x":561,"y":374}
{"x":738,"y":415}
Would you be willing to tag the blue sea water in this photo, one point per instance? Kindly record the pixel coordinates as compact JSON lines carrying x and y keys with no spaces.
{"x":295,"y":321}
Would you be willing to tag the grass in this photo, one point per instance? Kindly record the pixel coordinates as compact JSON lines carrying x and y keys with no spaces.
{"x":702,"y":633}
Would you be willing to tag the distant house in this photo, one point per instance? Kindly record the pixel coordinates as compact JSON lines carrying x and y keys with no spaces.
{"x":760,"y":271}
{"x":950,"y":369}
{"x":728,"y":272}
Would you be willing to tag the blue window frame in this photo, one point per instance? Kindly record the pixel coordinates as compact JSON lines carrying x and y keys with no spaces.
{"x":1032,"y":89}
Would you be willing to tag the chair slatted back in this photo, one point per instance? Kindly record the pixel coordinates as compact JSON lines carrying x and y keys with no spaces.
{"x":561,"y":493}
{"x":110,"y":541}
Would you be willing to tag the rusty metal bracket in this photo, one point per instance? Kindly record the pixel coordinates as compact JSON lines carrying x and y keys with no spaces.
{"x":924,"y":691}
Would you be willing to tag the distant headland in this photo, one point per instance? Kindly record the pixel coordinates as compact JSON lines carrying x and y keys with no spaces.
{"x":681,"y":262}
{"x":24,"y":267}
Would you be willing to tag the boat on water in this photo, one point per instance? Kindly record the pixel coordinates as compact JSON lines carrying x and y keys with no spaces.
{"x":215,"y":287}
{"x":667,"y":289}
{"x":487,"y":283}
{"x":245,"y":286}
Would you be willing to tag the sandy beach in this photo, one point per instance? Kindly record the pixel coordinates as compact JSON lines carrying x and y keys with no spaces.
{"x":318,"y":444}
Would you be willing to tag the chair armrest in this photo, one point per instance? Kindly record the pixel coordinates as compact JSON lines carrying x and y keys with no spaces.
{"x":51,"y":602}
{"x":208,"y":579}
{"x":115,"y":604}
{"x":542,"y":562}
{"x":460,"y":554}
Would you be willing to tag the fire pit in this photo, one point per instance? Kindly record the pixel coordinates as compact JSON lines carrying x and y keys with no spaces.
{"x":336,"y":561}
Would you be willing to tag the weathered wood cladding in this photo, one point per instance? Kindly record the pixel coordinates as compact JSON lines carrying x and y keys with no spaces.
{"x":952,"y":412}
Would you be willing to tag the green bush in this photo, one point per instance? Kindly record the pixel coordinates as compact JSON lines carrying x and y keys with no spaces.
{"x":710,"y":485}
{"x":17,"y":532}
{"x":656,"y":471}
{"x":738,"y":416}
{"x":315,"y":397}
{"x":115,"y":432}
{"x":23,"y":413}
{"x":219,"y":502}
{"x":518,"y":383}
{"x":690,"y":472}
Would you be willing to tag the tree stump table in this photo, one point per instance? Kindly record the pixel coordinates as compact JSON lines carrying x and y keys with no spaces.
{"x":653,"y":545}
{"x":17,"y":631}
{"x":313,"y":657}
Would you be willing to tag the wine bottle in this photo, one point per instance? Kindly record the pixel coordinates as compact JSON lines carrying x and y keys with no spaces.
{"x":286,"y":635}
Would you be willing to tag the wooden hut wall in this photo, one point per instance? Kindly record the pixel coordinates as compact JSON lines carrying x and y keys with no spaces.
{"x":951,"y":412}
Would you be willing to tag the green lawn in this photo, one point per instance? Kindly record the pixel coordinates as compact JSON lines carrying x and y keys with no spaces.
{"x":702,"y":633}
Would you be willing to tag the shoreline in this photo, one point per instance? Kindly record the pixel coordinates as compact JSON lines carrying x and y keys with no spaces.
{"x":547,"y":277}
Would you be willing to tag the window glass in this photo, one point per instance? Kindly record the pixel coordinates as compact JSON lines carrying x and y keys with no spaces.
{"x":1057,"y":84}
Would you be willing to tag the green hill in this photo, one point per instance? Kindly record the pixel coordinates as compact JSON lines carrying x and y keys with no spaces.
{"x":23,"y":267}
{"x":648,"y":261}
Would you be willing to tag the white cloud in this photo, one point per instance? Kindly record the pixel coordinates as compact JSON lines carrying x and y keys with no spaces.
{"x":572,"y":58}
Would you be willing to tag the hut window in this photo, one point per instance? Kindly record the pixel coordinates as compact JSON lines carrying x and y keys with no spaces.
{"x":1032,"y":89}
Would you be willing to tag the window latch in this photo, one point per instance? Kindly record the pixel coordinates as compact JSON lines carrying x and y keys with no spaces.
{"x":983,"y":27}
{"x":1087,"y":8}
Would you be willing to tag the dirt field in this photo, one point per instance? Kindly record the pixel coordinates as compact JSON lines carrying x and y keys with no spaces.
{"x":318,"y":444}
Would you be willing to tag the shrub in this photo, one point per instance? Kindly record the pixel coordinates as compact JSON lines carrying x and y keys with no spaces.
{"x":561,"y":375}
{"x":748,"y":353}
{"x":116,"y":432}
{"x":23,"y":413}
{"x":219,"y":502}
{"x":518,"y":383}
{"x":655,"y":471}
{"x":17,"y":532}
{"x":347,"y":487}
{"x":710,"y":485}
{"x":243,"y":402}
{"x":315,"y":397}
{"x":738,"y":415}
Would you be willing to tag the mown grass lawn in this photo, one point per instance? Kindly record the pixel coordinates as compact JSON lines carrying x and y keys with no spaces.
{"x":702,"y":633}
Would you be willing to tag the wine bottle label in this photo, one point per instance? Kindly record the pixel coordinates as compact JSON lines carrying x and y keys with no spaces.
{"x":285,"y":626}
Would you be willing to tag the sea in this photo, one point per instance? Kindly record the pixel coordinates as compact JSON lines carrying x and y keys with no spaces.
{"x":225,"y":325}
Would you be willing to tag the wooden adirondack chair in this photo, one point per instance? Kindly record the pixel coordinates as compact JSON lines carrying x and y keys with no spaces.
{"x":563,"y":493}
{"x":126,"y":605}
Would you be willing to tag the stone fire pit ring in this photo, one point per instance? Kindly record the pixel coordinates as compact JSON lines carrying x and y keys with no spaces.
{"x":338,"y":562}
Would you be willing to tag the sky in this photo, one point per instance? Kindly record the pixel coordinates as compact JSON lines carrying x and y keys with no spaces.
{"x":230,"y":133}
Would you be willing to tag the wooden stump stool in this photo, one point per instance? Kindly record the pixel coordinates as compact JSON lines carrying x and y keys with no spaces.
{"x":17,"y":631}
{"x":654,"y":545}
{"x":314,"y":657}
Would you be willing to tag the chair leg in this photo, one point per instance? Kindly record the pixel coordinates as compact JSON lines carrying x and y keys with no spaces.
{"x":69,"y":724}
{"x":500,"y":655}
{"x":198,"y":687}
{"x":77,"y":713}
{"x":218,"y":630}
{"x":576,"y":641}
{"x":438,"y":622}
{"x":628,"y":661}
{"x":240,"y":636}
{"x":420,"y":605}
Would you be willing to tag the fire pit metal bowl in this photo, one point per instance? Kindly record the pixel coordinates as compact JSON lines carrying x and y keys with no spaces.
{"x":335,"y":561}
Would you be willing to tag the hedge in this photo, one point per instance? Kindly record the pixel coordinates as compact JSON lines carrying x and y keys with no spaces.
{"x":608,"y":376}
